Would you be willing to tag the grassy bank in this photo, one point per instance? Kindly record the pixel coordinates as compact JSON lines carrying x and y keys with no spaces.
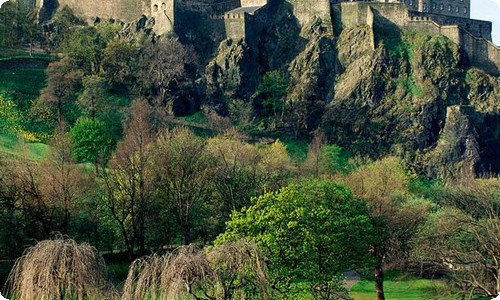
{"x":401,"y":286}
{"x":11,"y":145}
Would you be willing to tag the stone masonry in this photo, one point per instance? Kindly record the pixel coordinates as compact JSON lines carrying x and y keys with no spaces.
{"x":244,"y":19}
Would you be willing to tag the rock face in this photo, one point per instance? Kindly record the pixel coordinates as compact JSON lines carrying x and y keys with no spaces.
{"x":233,"y":72}
{"x":457,"y":154}
{"x":374,"y":90}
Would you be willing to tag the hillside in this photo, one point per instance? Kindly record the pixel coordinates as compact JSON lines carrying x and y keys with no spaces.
{"x":248,"y":150}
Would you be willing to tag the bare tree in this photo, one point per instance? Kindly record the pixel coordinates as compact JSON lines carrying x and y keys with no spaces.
{"x":464,"y":236}
{"x":185,"y":170}
{"x":162,"y":65}
{"x":48,"y":191}
{"x":130,"y":180}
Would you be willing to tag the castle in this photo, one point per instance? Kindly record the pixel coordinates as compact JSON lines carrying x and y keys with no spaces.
{"x":238,"y":19}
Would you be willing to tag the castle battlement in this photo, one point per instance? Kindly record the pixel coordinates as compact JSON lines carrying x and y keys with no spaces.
{"x":244,"y":19}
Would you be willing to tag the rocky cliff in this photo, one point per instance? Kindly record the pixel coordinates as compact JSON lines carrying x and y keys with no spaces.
{"x":375,"y":90}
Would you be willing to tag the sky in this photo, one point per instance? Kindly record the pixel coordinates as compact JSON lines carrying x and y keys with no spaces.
{"x":488,"y":10}
{"x":481,"y":9}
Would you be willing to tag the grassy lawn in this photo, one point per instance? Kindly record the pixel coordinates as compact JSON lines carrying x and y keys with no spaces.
{"x":10,"y":145}
{"x":401,"y":287}
{"x":26,"y":81}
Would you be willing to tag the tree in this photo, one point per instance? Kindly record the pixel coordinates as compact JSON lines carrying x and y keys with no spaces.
{"x":94,"y":92}
{"x":91,"y":141}
{"x":62,"y":81}
{"x":379,"y":183}
{"x":312,"y":232}
{"x":273,"y":90}
{"x":229,"y":271}
{"x":162,"y":65}
{"x":64,"y":24}
{"x":185,"y":170}
{"x":237,"y":177}
{"x":47,"y":192}
{"x":28,"y":27}
{"x":323,"y":158}
{"x":59,"y":269}
{"x":8,"y":32}
{"x":277,"y":166}
{"x":130,"y":180}
{"x":464,"y":237}
{"x":119,"y":62}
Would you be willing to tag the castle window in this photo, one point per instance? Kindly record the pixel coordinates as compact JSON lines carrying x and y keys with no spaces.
{"x":457,"y":10}
{"x":449,"y":7}
{"x":465,"y":10}
{"x":163,"y":6}
{"x":434,"y":5}
{"x":441,"y":6}
{"x":155,"y":8}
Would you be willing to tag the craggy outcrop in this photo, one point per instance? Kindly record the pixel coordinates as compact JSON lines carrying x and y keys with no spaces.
{"x":375,"y":90}
{"x":233,"y":72}
{"x":457,"y":154}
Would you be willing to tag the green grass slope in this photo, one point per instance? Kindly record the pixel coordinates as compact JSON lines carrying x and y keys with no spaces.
{"x":11,"y":145}
{"x":400,"y":286}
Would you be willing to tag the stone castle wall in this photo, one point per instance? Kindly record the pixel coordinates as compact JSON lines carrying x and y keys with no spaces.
{"x":475,"y":43}
{"x":125,"y":10}
{"x":306,"y":10}
{"x":478,"y":28}
{"x":455,"y":8}
{"x":481,"y":52}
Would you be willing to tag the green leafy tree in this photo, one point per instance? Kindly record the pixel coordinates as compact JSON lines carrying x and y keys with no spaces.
{"x":273,"y":89}
{"x":84,"y":47}
{"x":312,"y":232}
{"x":64,"y":23}
{"x":94,"y":92}
{"x":120,"y":62}
{"x":91,"y":141}
{"x":61,"y":85}
{"x":8,"y":32}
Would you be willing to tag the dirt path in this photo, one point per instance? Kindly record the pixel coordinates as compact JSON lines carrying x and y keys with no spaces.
{"x":351,"y":277}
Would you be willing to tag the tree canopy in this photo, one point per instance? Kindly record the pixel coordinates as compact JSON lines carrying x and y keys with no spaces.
{"x":312,"y":231}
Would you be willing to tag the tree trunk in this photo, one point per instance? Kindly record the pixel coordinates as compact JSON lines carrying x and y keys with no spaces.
{"x":379,"y":281}
{"x":187,"y":234}
{"x":59,"y":114}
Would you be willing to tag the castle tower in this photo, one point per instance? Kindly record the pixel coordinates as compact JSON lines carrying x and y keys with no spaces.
{"x":163,"y":11}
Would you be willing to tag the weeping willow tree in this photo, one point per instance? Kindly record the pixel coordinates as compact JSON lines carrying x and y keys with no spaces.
{"x":59,"y":269}
{"x":229,"y":271}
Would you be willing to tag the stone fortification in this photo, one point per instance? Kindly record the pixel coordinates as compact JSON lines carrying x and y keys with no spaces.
{"x":125,"y":10}
{"x":473,"y":36}
{"x":244,"y":19}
